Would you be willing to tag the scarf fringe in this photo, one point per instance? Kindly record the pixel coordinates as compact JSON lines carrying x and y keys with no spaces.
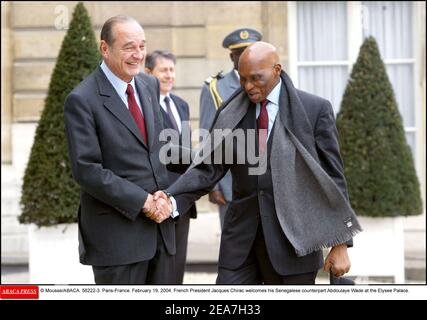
{"x":341,"y":238}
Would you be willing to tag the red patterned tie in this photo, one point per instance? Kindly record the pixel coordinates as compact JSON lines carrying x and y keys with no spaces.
{"x":262,"y":123}
{"x":136,"y":112}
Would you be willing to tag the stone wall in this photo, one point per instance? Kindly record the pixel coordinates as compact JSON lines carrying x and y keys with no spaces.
{"x":192,"y":30}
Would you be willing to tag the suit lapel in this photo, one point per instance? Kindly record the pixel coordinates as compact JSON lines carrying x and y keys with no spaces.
{"x":235,"y":81}
{"x":184,"y":114}
{"x":147,"y":107}
{"x":180,"y":108}
{"x":115,"y":105}
{"x":166,"y":118}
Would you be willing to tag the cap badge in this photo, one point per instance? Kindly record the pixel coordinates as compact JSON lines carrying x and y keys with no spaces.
{"x":244,"y":35}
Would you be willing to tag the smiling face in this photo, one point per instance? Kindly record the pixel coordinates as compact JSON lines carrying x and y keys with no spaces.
{"x":164,"y":70}
{"x":259,"y":70}
{"x":127,"y":51}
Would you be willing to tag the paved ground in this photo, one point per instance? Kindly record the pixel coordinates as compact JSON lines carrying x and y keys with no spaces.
{"x":195,"y":274}
{"x":14,"y":274}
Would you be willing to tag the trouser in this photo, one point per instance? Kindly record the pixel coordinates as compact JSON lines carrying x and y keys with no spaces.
{"x":257,"y":269}
{"x":158,"y":270}
{"x":181,"y":234}
{"x":222,"y":211}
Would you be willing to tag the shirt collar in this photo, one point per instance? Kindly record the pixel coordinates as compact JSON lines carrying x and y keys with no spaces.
{"x":162,"y":97}
{"x":236,"y":73}
{"x":117,"y":83}
{"x":274,"y":95}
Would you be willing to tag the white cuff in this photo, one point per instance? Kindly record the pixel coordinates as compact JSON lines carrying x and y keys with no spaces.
{"x":174,"y":212}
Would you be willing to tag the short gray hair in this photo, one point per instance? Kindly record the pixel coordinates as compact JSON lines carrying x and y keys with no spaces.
{"x":107,"y":28}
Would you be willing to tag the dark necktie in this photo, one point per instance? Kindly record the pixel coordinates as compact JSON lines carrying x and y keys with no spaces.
{"x":136,"y":112}
{"x":170,"y":114}
{"x":262,"y":123}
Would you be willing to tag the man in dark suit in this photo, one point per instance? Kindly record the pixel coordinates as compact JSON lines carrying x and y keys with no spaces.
{"x":217,"y":89}
{"x":176,"y":116}
{"x":113,"y":120}
{"x":295,"y":203}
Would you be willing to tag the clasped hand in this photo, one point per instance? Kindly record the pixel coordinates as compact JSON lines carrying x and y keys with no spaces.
{"x":157,"y":207}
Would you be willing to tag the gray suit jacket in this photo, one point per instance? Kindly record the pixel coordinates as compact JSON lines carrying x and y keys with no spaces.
{"x":225,"y":86}
{"x":115,"y":170}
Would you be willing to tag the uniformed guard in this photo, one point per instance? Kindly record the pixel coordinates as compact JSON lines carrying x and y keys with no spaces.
{"x":218,"y":88}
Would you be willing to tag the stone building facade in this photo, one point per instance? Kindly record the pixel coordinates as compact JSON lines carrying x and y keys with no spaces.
{"x":32,"y":34}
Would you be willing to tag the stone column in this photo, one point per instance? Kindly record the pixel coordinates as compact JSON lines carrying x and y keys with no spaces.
{"x":6,"y":83}
{"x":274,"y":17}
{"x":423,"y":96}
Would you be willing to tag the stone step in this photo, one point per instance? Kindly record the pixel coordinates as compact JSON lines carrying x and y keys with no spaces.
{"x":415,"y":265}
{"x":194,"y":274}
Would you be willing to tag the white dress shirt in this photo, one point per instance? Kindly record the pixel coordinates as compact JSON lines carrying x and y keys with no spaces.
{"x":272,"y":106}
{"x":173,"y":108}
{"x":120,"y":86}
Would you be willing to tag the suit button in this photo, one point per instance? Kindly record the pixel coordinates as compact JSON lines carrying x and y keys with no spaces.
{"x":261,"y":193}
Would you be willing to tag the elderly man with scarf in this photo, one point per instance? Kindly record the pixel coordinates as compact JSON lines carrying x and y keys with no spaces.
{"x":281,"y":218}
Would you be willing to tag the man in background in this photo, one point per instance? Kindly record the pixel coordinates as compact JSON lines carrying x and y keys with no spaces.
{"x":218,"y":89}
{"x":176,"y":115}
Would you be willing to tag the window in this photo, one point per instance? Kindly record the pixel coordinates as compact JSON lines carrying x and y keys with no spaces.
{"x":324,"y":41}
{"x":322,"y":49}
{"x":391,"y":25}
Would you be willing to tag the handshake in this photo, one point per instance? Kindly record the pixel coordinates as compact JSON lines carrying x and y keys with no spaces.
{"x":157,"y":207}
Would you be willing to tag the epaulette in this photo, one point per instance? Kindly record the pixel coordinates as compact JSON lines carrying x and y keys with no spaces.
{"x":219,"y":75}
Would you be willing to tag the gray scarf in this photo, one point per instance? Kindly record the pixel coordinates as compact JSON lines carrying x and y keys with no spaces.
{"x":312,"y":211}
